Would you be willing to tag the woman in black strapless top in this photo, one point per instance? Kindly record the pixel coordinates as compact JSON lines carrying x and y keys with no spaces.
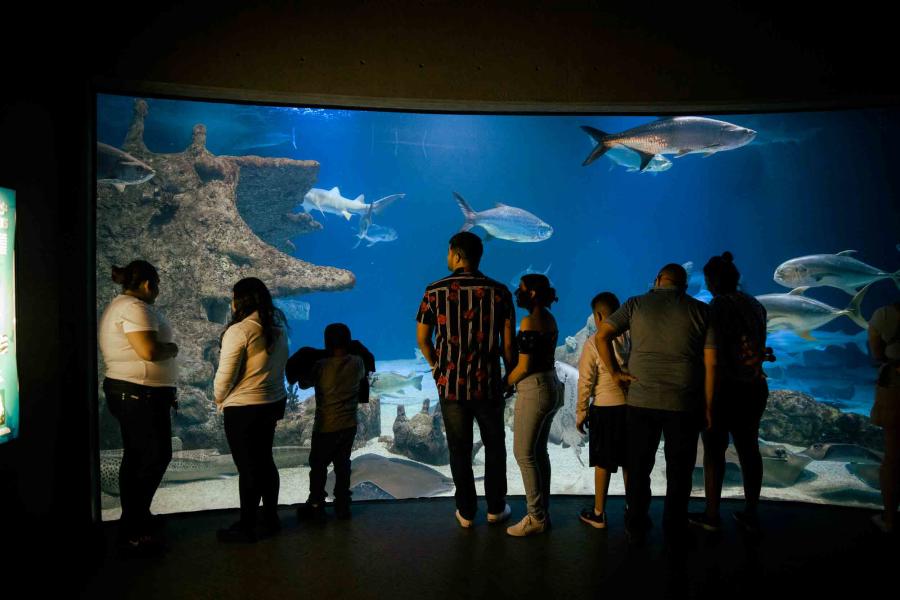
{"x":538,"y":397}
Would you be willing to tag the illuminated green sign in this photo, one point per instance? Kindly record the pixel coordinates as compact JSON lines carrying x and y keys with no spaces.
{"x":9,"y":378}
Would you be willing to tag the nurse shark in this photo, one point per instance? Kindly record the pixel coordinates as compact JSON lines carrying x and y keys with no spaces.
{"x":331,"y":201}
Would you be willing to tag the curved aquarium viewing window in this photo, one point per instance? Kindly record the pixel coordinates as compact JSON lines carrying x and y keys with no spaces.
{"x":9,"y":376}
{"x":346,"y":216}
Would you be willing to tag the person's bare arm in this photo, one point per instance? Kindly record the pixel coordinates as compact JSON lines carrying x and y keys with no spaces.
{"x":709,"y":382}
{"x":877,"y":347}
{"x":605,"y":336}
{"x":509,"y":348}
{"x":149,"y":348}
{"x":520,"y":371}
{"x":426,"y":343}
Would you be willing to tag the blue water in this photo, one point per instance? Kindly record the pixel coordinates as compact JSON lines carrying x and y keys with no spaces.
{"x":811,"y":183}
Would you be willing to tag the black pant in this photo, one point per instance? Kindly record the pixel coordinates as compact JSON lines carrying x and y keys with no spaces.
{"x":332,"y":447}
{"x":737,"y":410}
{"x":250,"y":431}
{"x":143,"y":415}
{"x":681,"y":430}
{"x":459,"y":417}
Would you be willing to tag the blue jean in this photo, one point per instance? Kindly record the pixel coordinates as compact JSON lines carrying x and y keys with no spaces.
{"x":538,"y":398}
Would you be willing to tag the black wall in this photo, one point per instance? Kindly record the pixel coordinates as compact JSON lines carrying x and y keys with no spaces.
{"x":524,"y":55}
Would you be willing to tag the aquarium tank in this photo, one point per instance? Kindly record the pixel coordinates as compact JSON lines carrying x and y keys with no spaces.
{"x":346,"y":216}
{"x":9,"y":375}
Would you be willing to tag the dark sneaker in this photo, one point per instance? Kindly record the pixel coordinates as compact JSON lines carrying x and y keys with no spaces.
{"x":311,"y":512}
{"x":636,"y":536}
{"x":270,"y":526}
{"x":701,"y":519}
{"x":749,"y":522}
{"x":237,"y":533}
{"x":593,"y":519}
{"x":342,"y":510}
{"x":139,"y":547}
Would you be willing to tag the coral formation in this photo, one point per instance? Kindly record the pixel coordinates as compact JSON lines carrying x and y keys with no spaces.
{"x":195,"y":221}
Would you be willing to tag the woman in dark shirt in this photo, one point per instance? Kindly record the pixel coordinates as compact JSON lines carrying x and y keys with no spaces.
{"x":739,"y":322}
{"x":538,"y":397}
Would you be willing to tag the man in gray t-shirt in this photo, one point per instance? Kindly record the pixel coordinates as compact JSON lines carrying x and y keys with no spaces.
{"x":670,"y":374}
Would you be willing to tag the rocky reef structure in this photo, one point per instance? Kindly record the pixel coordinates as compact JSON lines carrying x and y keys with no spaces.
{"x":570,"y":351}
{"x":297,"y":425}
{"x":798,"y":419}
{"x":195,"y":220}
{"x":422,"y":437}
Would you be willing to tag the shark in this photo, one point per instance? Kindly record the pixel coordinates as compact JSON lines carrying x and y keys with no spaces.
{"x":331,"y":201}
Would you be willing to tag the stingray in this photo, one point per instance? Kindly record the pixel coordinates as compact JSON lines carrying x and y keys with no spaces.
{"x":395,"y":478}
{"x":867,"y":472}
{"x":781,"y":467}
{"x":841,"y":453}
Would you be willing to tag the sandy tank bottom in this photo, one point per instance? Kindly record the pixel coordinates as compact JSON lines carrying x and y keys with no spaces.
{"x":824,"y":482}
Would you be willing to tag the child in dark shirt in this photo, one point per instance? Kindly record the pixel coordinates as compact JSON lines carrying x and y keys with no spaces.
{"x":338,"y":378}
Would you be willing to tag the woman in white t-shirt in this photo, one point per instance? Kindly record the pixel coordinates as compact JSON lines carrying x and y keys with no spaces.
{"x":884,"y":343}
{"x":249,"y":389}
{"x":141,"y":375}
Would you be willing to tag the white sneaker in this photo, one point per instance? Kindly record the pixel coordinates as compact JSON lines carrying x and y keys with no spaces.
{"x":463,"y":522}
{"x":501,"y":516}
{"x":879,"y":522}
{"x":527,"y":526}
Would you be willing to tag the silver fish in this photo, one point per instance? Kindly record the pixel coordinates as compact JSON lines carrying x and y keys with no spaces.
{"x":631,"y":160}
{"x":786,"y":343}
{"x":800,"y":314}
{"x":120,"y":169}
{"x":672,"y":135}
{"x":505,"y":222}
{"x":514,"y":283}
{"x":835,"y":270}
{"x":389,"y":383}
{"x":372,"y":232}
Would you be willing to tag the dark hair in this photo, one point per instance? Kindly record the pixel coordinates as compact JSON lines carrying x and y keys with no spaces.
{"x":251,"y":295}
{"x":676,"y":273}
{"x":538,"y":283}
{"x":337,"y":336}
{"x":131,"y":276}
{"x":469,"y":246}
{"x":721,"y":273}
{"x":607,"y":300}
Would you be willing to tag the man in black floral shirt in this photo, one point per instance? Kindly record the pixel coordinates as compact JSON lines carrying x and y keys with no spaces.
{"x":471,"y":318}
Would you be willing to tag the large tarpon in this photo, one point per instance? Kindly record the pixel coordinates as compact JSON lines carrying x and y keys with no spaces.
{"x":835,"y":270}
{"x":331,"y":201}
{"x":120,"y":169}
{"x":800,"y":314}
{"x":505,"y":222}
{"x":672,"y":135}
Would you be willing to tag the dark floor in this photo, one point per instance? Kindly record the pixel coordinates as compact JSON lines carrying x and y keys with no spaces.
{"x":414,"y":549}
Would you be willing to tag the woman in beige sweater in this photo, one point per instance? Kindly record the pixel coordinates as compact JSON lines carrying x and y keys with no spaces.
{"x":249,"y":388}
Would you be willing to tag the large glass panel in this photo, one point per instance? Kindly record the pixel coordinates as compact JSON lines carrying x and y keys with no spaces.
{"x":216,"y":192}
